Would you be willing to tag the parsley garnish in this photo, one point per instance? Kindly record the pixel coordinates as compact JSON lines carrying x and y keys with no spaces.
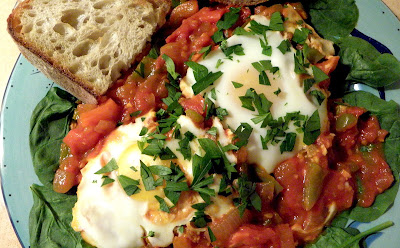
{"x":312,"y":128}
{"x":213,"y":131}
{"x":318,"y":95}
{"x":276,"y":22}
{"x":153,"y":54}
{"x":236,"y":84}
{"x":235,"y":49}
{"x":284,"y":47}
{"x":170,"y":66}
{"x":163,"y":205}
{"x":299,"y":63}
{"x":211,"y":234}
{"x":147,"y":177}
{"x":205,"y":51}
{"x":202,"y":76}
{"x":288,"y":143}
{"x":308,"y":83}
{"x":319,"y":75}
{"x":226,"y":22}
{"x":106,"y":180}
{"x":136,"y":113}
{"x":184,"y":146}
{"x":243,"y":133}
{"x":110,"y":166}
{"x":140,"y":70}
{"x":300,"y":35}
{"x":247,"y":195}
{"x":129,"y":185}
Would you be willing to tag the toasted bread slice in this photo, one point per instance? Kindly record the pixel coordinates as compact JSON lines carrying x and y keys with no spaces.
{"x":84,"y":45}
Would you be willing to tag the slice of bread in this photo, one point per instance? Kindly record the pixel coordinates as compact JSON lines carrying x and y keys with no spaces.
{"x":84,"y":45}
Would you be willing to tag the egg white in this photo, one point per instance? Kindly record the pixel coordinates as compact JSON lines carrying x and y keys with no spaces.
{"x":107,"y":217}
{"x":240,"y":69}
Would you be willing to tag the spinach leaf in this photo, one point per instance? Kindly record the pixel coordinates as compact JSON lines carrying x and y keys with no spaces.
{"x":50,"y":218}
{"x":335,"y":237}
{"x":367,"y":65}
{"x":388,"y":114}
{"x":333,"y":19}
{"x":48,"y":126}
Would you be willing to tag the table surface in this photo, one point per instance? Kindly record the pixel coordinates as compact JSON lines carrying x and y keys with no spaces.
{"x":8,"y":56}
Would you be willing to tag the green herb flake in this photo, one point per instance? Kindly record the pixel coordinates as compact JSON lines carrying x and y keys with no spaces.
{"x":318,"y":95}
{"x":312,"y":128}
{"x":140,"y":70}
{"x":147,"y":177}
{"x":205,"y":51}
{"x":285,"y":46}
{"x":242,"y":133}
{"x":258,"y":28}
{"x":319,"y":75}
{"x":163,"y":205}
{"x":276,"y":22}
{"x":153,"y":54}
{"x":170,"y":66}
{"x":308,"y":83}
{"x":211,"y":234}
{"x":136,"y":113}
{"x":278,"y":91}
{"x":288,"y":143}
{"x":202,"y":76}
{"x":106,"y":180}
{"x":263,"y":79}
{"x":129,"y":185}
{"x":110,"y":166}
{"x":213,"y":131}
{"x":143,"y":131}
{"x":266,"y":50}
{"x":300,"y":35}
{"x":219,"y":63}
{"x":236,"y":84}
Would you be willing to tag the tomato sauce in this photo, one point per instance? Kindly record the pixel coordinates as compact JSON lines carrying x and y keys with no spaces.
{"x":345,"y":166}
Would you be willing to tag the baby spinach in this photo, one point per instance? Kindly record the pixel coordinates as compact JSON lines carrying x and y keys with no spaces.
{"x":48,"y":126}
{"x":367,"y":65}
{"x":333,"y":19}
{"x":336,"y":237}
{"x":388,"y":114}
{"x":50,"y":220}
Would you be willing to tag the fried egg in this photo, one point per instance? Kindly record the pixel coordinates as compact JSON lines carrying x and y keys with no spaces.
{"x":107,"y":217}
{"x":286,"y":91}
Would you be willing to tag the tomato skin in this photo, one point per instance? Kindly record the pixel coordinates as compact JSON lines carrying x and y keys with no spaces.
{"x":92,"y":126}
{"x":195,"y":103}
{"x":81,"y":139}
{"x":260,"y":236}
{"x":107,"y":111}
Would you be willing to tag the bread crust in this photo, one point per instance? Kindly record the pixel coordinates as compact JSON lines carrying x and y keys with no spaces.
{"x":54,"y":69}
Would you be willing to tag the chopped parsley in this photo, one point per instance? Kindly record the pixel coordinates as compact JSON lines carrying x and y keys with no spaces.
{"x":203,"y":77}
{"x":129,"y":185}
{"x":300,"y":35}
{"x":110,"y":166}
{"x":205,"y":51}
{"x":170,"y":66}
{"x":285,"y":46}
{"x":236,"y":84}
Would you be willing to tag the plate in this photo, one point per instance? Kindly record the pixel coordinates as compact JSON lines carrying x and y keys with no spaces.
{"x":27,"y":86}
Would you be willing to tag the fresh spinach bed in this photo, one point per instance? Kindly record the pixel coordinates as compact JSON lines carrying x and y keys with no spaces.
{"x":360,"y":62}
